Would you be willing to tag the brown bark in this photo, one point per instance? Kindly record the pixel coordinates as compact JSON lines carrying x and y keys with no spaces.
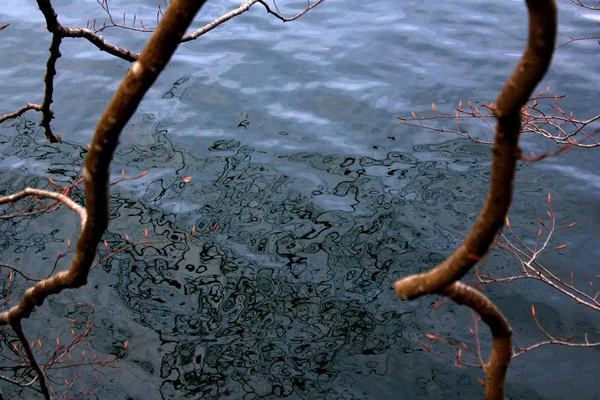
{"x":443,"y":279}
{"x":501,"y":335}
{"x":136,"y":83}
{"x":514,"y":94}
{"x":138,"y":80}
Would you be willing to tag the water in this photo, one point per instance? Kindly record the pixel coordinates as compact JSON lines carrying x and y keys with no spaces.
{"x":322,"y":199}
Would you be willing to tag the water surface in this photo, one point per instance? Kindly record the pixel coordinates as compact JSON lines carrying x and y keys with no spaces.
{"x":322,"y":198}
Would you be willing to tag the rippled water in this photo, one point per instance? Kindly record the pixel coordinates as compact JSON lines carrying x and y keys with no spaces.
{"x":322,"y":199}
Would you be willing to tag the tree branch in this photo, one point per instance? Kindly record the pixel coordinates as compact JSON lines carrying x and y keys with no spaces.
{"x":101,"y":43}
{"x":280,"y":15}
{"x":20,"y":111}
{"x":16,"y":326}
{"x":516,"y":91}
{"x":443,"y":279}
{"x":138,"y":80}
{"x":501,"y":334}
{"x":52,"y":195}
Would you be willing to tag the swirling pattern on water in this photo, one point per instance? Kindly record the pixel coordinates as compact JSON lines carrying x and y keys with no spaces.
{"x":291,"y":293}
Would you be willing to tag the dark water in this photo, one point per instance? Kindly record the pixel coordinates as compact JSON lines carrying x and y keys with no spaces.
{"x":322,"y":200}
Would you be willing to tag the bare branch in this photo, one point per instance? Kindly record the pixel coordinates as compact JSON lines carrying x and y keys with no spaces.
{"x":19,"y":272}
{"x":515,"y":93}
{"x":594,"y":7}
{"x":137,"y":81}
{"x":52,"y":195}
{"x":242,"y":9}
{"x":279,"y":14}
{"x":22,"y":110}
{"x":542,"y":115}
{"x":244,"y":6}
{"x":574,"y":39}
{"x":101,"y":43}
{"x":553,"y":342}
{"x":443,"y":278}
{"x":90,"y":33}
{"x":532,"y":268}
{"x":47,"y":113}
{"x":15,"y":324}
{"x":60,"y":31}
{"x":226,"y":17}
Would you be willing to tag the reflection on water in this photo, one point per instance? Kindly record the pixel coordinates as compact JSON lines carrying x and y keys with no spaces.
{"x":291,"y":294}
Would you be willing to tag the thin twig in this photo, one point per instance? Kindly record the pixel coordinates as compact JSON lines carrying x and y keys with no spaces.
{"x":16,"y":326}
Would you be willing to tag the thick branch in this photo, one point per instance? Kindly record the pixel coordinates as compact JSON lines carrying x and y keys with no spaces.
{"x":501,"y":334}
{"x":444,"y":278}
{"x":47,"y":113}
{"x":138,"y":80}
{"x":516,"y":91}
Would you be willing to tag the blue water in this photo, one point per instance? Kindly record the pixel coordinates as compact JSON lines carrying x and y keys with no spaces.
{"x":322,"y":198}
